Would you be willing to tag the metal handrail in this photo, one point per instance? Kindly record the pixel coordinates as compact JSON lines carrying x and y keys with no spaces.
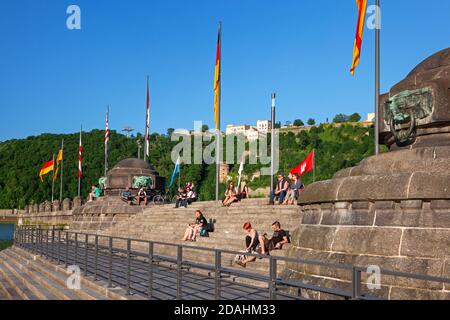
{"x":35,"y":236}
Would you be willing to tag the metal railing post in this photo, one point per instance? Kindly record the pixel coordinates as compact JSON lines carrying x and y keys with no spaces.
{"x":96,"y":258}
{"x":59,"y":247}
{"x":67,"y":249}
{"x":76,"y":249}
{"x":53,"y":243}
{"x":217,"y":275}
{"x":272,"y":278}
{"x":150,"y":269}
{"x":47,"y":244}
{"x":110,"y":262}
{"x":128,"y":265}
{"x":179,"y":271}
{"x":356,"y":283}
{"x":86,"y":247}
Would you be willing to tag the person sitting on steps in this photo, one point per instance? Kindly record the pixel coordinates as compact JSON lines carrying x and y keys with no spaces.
{"x":294,"y":191}
{"x":230,"y":195}
{"x":181,"y":199}
{"x":127,"y":197}
{"x":194,"y":228}
{"x":142,"y":196}
{"x":191,"y":196}
{"x":243,"y":194}
{"x":252,"y":244}
{"x":279,"y":238}
{"x":280,"y":191}
{"x":95,"y":193}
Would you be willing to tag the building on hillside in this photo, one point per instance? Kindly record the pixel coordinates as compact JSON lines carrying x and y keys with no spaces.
{"x":253,"y":134}
{"x":224,"y":169}
{"x":264,"y":126}
{"x":237,"y":130}
{"x":370,"y":117}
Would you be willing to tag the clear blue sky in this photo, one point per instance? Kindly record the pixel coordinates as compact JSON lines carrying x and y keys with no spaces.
{"x":53,"y":79}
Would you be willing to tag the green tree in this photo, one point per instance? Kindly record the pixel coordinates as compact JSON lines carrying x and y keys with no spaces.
{"x":356,"y":117}
{"x":340,"y":118}
{"x":311,"y":122}
{"x":298,"y":123}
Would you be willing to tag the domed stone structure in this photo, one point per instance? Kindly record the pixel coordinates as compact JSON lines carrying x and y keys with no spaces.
{"x":392,"y":210}
{"x":106,"y":211}
{"x":123,"y":174}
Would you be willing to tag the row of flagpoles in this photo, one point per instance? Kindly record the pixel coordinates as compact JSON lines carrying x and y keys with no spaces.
{"x":304,"y":167}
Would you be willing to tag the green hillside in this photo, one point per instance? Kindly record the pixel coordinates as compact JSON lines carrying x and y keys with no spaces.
{"x":21,"y":160}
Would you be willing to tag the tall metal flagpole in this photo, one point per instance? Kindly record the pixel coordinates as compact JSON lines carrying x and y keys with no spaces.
{"x":272,"y":144}
{"x":53,"y":180}
{"x":79,"y":165}
{"x":377,"y":75}
{"x":147,"y":125}
{"x":62,"y":172}
{"x":106,"y":141}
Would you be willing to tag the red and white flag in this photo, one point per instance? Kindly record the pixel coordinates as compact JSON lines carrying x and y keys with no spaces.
{"x":305,"y":166}
{"x":147,"y":124}
{"x":80,"y":158}
{"x":107,"y":127}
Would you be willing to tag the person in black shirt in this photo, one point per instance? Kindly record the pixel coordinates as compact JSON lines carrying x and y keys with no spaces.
{"x":279,"y":238}
{"x":181,"y":199}
{"x":193,"y":229}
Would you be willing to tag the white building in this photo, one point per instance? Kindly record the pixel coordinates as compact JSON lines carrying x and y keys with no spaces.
{"x":264,"y":126}
{"x":253,"y":134}
{"x":237,"y":130}
{"x":370,"y":117}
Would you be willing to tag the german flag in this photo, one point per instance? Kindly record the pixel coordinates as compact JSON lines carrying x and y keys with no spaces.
{"x":46,"y":168}
{"x":217,"y":81}
{"x":362,"y":7}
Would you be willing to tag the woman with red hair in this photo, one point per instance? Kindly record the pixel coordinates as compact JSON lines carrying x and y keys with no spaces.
{"x":251,"y":243}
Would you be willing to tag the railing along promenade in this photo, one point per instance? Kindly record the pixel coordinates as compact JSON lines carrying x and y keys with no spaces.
{"x":137,"y":267}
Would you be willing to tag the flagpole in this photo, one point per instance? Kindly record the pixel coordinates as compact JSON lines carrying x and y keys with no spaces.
{"x":147,"y":126}
{"x":79,"y":165}
{"x":314,"y":166}
{"x":272,"y":143}
{"x":53,"y":179}
{"x":62,"y":172}
{"x":377,"y":76}
{"x":106,"y":141}
{"x":218,"y":151}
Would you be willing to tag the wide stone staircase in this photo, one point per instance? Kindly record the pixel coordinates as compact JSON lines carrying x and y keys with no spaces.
{"x":24,"y":276}
{"x":167,"y":224}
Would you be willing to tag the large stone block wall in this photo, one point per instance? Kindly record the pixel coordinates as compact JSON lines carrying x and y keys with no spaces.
{"x":407,"y":236}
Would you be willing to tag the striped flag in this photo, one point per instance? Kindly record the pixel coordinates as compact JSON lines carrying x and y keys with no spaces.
{"x":59,"y":158}
{"x":147,"y":123}
{"x":107,"y":128}
{"x":217,"y":79}
{"x":362,"y":7}
{"x":46,"y":168}
{"x":80,"y":158}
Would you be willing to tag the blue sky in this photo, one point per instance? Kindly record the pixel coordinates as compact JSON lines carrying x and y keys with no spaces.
{"x":53,"y":79}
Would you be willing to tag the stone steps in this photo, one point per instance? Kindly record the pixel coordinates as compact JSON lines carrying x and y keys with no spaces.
{"x":56,"y":282}
{"x":27,"y":277}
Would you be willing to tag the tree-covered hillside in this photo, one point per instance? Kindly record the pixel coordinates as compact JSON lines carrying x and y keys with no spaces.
{"x":21,"y":160}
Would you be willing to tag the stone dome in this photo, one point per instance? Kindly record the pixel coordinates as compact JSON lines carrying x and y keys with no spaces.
{"x":437,"y":60}
{"x":135,"y":164}
{"x":123,"y":174}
